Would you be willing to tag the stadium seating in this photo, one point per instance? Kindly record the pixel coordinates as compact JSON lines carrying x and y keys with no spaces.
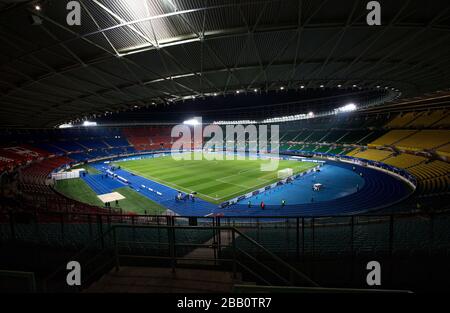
{"x":444,"y":151}
{"x":334,"y":136}
{"x":431,"y":169}
{"x":50,"y":148}
{"x":69,"y":146}
{"x":444,"y":122}
{"x":317,"y":136}
{"x":427,"y":119}
{"x":353,"y":152}
{"x":92,"y":144}
{"x":12,"y":156}
{"x":337,"y":150}
{"x":373,"y":154}
{"x":116,"y":142}
{"x":370,"y":236}
{"x":322,"y":149}
{"x":353,"y":136}
{"x":402,"y":120}
{"x":142,"y":241}
{"x":149,"y":138}
{"x":424,"y":139}
{"x":405,"y":160}
{"x":392,"y":137}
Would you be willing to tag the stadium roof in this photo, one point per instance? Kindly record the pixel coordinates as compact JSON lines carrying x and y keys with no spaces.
{"x":139,"y":52}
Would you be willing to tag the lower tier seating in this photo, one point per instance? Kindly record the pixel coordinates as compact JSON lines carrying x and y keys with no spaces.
{"x":405,"y":160}
{"x":373,"y":154}
{"x":370,"y":236}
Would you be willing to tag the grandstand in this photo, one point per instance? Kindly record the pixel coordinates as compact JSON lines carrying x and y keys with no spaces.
{"x":92,"y":170}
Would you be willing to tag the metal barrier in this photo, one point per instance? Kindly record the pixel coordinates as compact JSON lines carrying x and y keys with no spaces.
{"x":108,"y":251}
{"x":17,"y":281}
{"x":292,"y":237}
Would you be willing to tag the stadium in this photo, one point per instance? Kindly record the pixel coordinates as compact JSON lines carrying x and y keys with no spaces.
{"x":167,"y":146}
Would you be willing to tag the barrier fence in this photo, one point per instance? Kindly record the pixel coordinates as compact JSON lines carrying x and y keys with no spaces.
{"x":293,"y":237}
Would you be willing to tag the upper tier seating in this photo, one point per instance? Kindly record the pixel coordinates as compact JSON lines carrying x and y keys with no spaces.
{"x":317,"y":136}
{"x":116,"y":142}
{"x":427,"y":119}
{"x":443,"y":123}
{"x":92,"y":144}
{"x":50,"y":148}
{"x":334,"y":135}
{"x":149,"y":138}
{"x":425,"y":139}
{"x":402,"y":120}
{"x":392,"y":137}
{"x":68,"y":146}
{"x":289,"y":136}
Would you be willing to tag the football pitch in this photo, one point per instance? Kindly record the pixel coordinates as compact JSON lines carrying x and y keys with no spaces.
{"x":214,"y":180}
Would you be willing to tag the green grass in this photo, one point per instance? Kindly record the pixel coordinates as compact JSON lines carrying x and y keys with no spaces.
{"x":78,"y":190}
{"x":214,"y":181}
{"x":135,"y":202}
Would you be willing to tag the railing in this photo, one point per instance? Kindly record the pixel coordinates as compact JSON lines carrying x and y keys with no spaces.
{"x":292,"y":237}
{"x":110,"y":251}
{"x":17,"y":281}
{"x":314,"y":290}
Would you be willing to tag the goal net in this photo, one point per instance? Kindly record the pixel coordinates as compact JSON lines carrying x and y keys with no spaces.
{"x":285,"y":173}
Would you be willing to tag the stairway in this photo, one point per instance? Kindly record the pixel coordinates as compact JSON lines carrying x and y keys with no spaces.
{"x":162,"y":280}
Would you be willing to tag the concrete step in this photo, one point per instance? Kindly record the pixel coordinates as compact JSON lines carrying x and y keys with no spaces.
{"x":163,"y":280}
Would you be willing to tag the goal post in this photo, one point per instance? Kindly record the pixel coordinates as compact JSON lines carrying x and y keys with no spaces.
{"x":285,"y":173}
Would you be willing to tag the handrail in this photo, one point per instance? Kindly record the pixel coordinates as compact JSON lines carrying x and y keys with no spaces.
{"x":233,"y":229}
{"x":279,"y":260}
{"x":113,"y":228}
{"x":243,"y":217}
{"x":273,"y":289}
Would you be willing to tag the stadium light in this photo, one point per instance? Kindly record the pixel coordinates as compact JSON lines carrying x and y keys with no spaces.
{"x":339,"y":86}
{"x":89,"y":124}
{"x":282,"y":88}
{"x":321,"y":86}
{"x":302,"y":87}
{"x":310,"y":114}
{"x":234,"y":122}
{"x":192,"y":121}
{"x":347,"y":108}
{"x":37,"y":7}
{"x":68,"y":125}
